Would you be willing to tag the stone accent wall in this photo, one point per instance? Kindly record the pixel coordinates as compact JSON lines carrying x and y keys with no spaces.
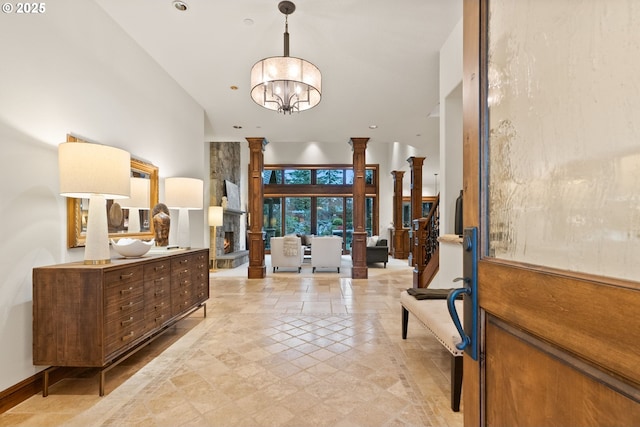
{"x":224,"y":163}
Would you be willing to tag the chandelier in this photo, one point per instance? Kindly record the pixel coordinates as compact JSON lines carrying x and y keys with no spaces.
{"x":284,"y":83}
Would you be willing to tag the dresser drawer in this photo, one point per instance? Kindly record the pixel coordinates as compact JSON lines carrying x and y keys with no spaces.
{"x":182,"y":262}
{"x":159,"y":287}
{"x":124,"y":333}
{"x":158,"y":314}
{"x":123,"y":275}
{"x":201,"y":261}
{"x":123,"y":299}
{"x":157,"y":269}
{"x":157,"y":303}
{"x":181,"y":299}
{"x":124,"y":309}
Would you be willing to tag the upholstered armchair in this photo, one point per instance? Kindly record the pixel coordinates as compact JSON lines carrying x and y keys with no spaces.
{"x":326,"y":252}
{"x":378,"y":252}
{"x":286,"y":252}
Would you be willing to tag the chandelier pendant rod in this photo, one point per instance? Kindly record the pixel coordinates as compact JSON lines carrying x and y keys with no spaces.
{"x":286,"y":35}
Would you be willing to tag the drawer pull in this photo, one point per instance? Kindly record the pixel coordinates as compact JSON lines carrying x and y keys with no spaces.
{"x":128,"y":336}
{"x":125,"y":291}
{"x":159,"y":305}
{"x":127,"y":321}
{"x":184,"y":261}
{"x":126,"y":276}
{"x":184,"y":282}
{"x":159,"y":280}
{"x":159,"y":318}
{"x":185,"y":271}
{"x":126,"y":306}
{"x":201,"y":266}
{"x":159,"y":292}
{"x":159,"y":268}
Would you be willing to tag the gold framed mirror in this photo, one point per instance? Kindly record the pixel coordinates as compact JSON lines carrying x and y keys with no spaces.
{"x":118,"y":217}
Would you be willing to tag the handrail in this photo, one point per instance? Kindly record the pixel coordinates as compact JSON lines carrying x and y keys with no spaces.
{"x":426,"y":260}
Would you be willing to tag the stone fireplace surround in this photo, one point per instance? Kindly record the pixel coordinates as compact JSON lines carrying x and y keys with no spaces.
{"x":224,"y":164}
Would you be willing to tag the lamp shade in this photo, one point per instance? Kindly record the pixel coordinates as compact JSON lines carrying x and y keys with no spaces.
{"x":286,"y":84}
{"x":186,"y":193}
{"x":215,"y":216}
{"x":140,"y":194}
{"x":87,"y":168}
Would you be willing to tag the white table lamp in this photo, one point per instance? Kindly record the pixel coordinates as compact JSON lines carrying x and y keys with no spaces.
{"x":216,"y":217}
{"x":139,"y":199}
{"x":184,"y":194}
{"x":97,"y":172}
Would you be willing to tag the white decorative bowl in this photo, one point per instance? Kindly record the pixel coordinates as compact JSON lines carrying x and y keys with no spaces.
{"x":132,"y":248}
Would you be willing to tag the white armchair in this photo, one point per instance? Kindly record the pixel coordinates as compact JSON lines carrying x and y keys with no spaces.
{"x":326,"y":252}
{"x":286,"y":252}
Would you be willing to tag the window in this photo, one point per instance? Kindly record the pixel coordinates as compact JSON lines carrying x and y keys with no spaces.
{"x":316,"y":199}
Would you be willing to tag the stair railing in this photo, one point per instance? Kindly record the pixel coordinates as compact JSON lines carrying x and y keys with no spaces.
{"x":426,"y":250}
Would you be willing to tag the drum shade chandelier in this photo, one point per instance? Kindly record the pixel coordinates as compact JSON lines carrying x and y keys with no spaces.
{"x":284,"y":83}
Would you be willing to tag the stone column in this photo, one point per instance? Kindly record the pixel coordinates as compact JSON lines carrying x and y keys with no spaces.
{"x":359,"y":242}
{"x":416,"y":200}
{"x":257,"y":268}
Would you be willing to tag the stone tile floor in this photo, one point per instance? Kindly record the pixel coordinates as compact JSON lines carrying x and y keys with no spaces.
{"x":289,"y":350}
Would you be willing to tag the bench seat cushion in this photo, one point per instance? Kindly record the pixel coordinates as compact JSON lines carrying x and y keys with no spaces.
{"x":434,"y":315}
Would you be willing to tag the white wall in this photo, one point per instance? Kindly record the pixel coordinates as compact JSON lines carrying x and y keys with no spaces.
{"x":450,"y":154}
{"x":73,"y":70}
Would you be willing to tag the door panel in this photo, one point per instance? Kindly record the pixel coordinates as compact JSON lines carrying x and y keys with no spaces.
{"x":588,"y":318}
{"x":548,"y":391}
{"x":546,"y":91}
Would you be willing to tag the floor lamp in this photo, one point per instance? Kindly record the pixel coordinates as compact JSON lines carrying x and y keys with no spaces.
{"x":215,"y":220}
{"x":184,"y":194}
{"x":97,"y":172}
{"x":139,"y":199}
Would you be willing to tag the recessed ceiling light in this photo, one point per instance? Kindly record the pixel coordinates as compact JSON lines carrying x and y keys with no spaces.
{"x":248,"y":21}
{"x":180,"y":5}
{"x":237,"y":127}
{"x":373,"y":126}
{"x":233,"y":87}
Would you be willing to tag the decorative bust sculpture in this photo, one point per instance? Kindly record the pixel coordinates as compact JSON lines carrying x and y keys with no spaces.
{"x":224,"y":202}
{"x":161,"y":224}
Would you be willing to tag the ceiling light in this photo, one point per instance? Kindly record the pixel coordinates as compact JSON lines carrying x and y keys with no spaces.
{"x":283,"y":83}
{"x":180,"y":5}
{"x":373,"y":126}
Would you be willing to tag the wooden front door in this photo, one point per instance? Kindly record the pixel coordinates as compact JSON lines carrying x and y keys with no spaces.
{"x":551,"y":96}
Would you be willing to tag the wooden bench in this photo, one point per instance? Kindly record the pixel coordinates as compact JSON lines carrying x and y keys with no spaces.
{"x":434,"y":315}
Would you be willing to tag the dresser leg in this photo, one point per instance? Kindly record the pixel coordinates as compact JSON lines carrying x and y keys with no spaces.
{"x":101,"y":383}
{"x":45,"y":381}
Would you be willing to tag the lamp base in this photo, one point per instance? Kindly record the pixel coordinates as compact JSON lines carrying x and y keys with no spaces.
{"x":96,"y":249}
{"x":184,"y":232}
{"x":134,"y":220}
{"x":97,"y":261}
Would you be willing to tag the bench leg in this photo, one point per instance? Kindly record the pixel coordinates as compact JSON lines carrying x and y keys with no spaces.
{"x":405,"y":322}
{"x":456,"y":382}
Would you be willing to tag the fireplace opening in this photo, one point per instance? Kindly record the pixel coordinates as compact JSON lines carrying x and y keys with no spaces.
{"x":228,"y":242}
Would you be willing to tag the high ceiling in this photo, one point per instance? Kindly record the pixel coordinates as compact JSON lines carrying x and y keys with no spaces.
{"x":378,"y":58}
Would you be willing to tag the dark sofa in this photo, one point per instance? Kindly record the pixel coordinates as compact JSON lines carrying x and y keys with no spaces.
{"x":378,"y":253}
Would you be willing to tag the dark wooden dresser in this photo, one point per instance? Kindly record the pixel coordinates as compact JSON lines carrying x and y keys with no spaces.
{"x":97,"y":315}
